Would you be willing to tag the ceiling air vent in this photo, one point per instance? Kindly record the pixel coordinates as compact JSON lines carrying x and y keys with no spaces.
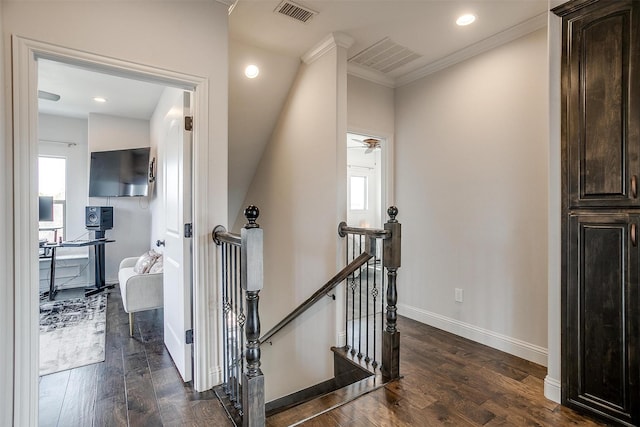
{"x":384,"y":56}
{"x":295,"y":11}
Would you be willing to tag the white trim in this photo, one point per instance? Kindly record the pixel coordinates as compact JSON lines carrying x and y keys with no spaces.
{"x":552,"y":389}
{"x":370,"y":75}
{"x":503,"y":37}
{"x":525,"y":350}
{"x":325,"y":45}
{"x":25,"y":108}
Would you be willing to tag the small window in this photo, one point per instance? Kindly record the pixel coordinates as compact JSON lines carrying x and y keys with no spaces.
{"x":52,"y":172}
{"x":358,"y":198}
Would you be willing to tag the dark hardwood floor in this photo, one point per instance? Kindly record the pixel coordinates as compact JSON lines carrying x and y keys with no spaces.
{"x":136,"y":385}
{"x":447,"y":380}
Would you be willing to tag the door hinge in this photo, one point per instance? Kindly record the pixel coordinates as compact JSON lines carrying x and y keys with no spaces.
{"x":188,"y":122}
{"x":189,"y":336}
{"x":188,"y":230}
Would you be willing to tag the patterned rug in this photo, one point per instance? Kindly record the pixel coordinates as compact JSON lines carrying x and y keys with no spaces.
{"x":72,"y":333}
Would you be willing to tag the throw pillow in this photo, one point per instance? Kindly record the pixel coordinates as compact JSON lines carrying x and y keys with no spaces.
{"x":145,"y":262}
{"x":157,"y":266}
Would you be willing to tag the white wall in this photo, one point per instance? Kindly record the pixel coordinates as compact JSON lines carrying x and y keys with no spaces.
{"x":472,"y":189}
{"x":295,"y":188}
{"x":370,"y":107}
{"x":185,"y":37}
{"x":262,"y":100}
{"x":131,"y":215}
{"x":6,"y":258}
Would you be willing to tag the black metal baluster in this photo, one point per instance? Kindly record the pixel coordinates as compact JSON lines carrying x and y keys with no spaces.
{"x":241,"y":321}
{"x":360,"y":307}
{"x":353,"y":298}
{"x":225,"y":331}
{"x":346,"y":298}
{"x":237,"y":353}
{"x":374,"y":294}
{"x":366,"y":301}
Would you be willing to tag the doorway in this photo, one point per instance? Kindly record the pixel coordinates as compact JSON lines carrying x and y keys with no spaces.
{"x":366,"y":184}
{"x":26,"y":54}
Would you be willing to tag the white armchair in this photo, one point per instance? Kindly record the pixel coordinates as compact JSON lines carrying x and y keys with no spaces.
{"x":139,"y":292}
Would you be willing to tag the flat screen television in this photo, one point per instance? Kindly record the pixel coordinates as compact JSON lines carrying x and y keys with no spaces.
{"x":119,"y":173}
{"x":46,"y":208}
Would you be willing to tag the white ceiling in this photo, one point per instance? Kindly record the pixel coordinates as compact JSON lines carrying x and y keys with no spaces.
{"x":276,"y":43}
{"x":77,"y":87}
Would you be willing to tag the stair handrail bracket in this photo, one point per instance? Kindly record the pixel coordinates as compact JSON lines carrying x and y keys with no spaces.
{"x":242,"y":365}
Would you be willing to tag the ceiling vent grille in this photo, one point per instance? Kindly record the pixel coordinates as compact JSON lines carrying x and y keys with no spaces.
{"x":384,"y":56}
{"x":295,"y":11}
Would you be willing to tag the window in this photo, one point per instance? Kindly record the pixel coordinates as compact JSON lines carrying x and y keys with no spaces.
{"x":52,"y":172}
{"x":358,"y":200}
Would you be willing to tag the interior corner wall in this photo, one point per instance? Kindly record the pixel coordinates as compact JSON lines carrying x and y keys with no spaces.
{"x":472,"y":189}
{"x":131,"y":215}
{"x":295,"y":189}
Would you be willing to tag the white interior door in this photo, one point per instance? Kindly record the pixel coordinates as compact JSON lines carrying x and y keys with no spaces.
{"x":177,"y":251}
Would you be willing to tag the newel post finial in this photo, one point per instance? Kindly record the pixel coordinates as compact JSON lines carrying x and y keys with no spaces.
{"x":393,"y":212}
{"x":251,"y":212}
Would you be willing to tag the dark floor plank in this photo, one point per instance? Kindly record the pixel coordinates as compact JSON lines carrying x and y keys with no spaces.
{"x":52,"y":391}
{"x":78,"y":408}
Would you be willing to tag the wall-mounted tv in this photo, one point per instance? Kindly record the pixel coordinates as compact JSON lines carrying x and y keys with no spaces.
{"x":119,"y":173}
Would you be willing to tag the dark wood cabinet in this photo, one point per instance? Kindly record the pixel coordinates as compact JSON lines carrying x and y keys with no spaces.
{"x":601,"y":208}
{"x":602,"y":66}
{"x":602,"y":314}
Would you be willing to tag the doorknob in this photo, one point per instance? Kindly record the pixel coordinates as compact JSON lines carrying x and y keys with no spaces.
{"x":159,"y":243}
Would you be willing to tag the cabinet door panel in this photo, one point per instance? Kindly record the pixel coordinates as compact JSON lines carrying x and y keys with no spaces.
{"x":601,"y":308}
{"x":602,"y":136}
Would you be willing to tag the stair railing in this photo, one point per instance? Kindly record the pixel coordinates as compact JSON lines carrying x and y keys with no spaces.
{"x":370,"y":312}
{"x":241,"y":260}
{"x":366,"y":283}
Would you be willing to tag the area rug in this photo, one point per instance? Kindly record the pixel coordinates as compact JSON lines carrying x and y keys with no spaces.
{"x":72,"y":333}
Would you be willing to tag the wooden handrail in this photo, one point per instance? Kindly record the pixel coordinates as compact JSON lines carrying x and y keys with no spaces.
{"x":220,"y":235}
{"x":344,"y":229}
{"x":326,"y":288}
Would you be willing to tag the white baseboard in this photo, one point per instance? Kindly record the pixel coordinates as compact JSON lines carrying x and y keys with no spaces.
{"x":552,"y":389}
{"x":525,"y":350}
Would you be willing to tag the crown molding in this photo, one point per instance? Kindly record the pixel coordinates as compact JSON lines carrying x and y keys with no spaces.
{"x":227,"y":3}
{"x":331,"y":41}
{"x":503,"y":37}
{"x":370,"y":75}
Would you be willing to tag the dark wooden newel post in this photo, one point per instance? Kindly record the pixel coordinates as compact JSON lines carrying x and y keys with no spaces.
{"x":251,"y":279}
{"x":391,"y":336}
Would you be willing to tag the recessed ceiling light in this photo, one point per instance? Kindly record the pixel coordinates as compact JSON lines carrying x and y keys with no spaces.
{"x":465,"y":19}
{"x":251,"y":71}
{"x":99,"y":99}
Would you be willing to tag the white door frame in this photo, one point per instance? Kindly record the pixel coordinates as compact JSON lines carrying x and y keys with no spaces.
{"x":25,"y":153}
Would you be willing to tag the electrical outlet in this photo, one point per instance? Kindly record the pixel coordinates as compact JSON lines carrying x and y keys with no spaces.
{"x":459,"y":293}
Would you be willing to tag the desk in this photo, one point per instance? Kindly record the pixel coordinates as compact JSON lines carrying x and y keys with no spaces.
{"x":98,"y":244}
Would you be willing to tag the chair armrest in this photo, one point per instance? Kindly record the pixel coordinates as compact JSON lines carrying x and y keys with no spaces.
{"x":143,"y":292}
{"x":128,"y":262}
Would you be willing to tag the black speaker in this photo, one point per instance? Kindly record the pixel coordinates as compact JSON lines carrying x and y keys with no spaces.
{"x":99,"y":217}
